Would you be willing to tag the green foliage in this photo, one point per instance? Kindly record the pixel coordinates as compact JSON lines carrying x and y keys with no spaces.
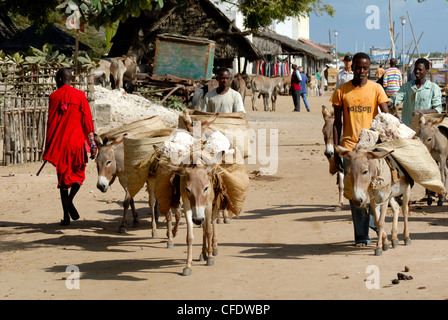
{"x":174,"y":102}
{"x":46,"y":57}
{"x":261,"y":13}
{"x":97,"y":13}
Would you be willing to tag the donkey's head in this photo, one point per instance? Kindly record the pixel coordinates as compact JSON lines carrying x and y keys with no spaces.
{"x":427,"y":131}
{"x":327,"y":131}
{"x":360,"y":169}
{"x":106,"y":160}
{"x":195,"y":187}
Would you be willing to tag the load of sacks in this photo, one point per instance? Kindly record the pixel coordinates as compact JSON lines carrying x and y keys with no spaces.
{"x":149,"y":142}
{"x":387,"y":133}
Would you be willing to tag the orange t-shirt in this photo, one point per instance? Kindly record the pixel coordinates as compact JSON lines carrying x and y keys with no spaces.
{"x":360,"y":106}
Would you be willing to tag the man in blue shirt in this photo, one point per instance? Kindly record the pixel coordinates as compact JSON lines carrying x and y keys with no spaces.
{"x":419,"y":95}
{"x":303,"y":84}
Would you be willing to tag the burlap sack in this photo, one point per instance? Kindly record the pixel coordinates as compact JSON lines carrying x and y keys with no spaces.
{"x":231,"y":182}
{"x":232,"y":122}
{"x":138,"y":147}
{"x":416,"y":160}
{"x":152,"y":123}
{"x":167,"y":190}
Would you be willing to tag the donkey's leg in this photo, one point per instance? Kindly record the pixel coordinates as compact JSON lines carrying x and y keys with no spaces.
{"x":152,"y":207}
{"x":190,"y":239}
{"x":340,"y":183}
{"x":126,"y":203}
{"x":405,"y":209}
{"x":395,"y":210}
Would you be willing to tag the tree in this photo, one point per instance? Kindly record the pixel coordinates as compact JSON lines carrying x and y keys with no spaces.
{"x":257,"y":13}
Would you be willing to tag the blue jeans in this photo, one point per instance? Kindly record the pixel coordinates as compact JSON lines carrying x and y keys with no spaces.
{"x":304,"y":100}
{"x":363,"y":218}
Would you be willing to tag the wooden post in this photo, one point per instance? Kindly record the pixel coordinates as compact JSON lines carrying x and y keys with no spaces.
{"x":413,"y":34}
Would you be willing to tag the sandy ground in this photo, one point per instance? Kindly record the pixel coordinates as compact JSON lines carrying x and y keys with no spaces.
{"x":287,"y":244}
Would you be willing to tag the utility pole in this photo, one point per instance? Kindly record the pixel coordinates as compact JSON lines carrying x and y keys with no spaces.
{"x":391,"y":30}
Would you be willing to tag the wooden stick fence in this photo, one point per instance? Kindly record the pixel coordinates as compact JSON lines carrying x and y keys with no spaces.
{"x":24,"y":110}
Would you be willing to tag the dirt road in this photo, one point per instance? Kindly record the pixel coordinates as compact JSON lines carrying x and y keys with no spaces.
{"x":287,"y":243}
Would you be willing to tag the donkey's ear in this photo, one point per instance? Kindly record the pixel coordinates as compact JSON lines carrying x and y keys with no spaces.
{"x":342,"y":151}
{"x":421,"y":119}
{"x":98,"y":140}
{"x":117,"y":141}
{"x":326,"y":113}
{"x":175,"y":169}
{"x":378,"y":154}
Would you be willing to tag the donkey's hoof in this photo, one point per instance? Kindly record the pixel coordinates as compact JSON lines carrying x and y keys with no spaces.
{"x":210,"y":261}
{"x":155,"y":235}
{"x":386,"y":246}
{"x":215,"y":252}
{"x":407,"y":242}
{"x":202,"y":257}
{"x":378,"y":252}
{"x":122,"y":229}
{"x":186,"y":272}
{"x":337,"y":209}
{"x":394,"y":243}
{"x":226,"y":220}
{"x":170,"y":245}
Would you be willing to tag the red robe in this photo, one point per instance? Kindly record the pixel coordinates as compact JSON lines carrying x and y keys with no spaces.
{"x":68,"y":126}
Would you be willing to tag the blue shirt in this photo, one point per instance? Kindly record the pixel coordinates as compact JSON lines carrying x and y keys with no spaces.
{"x":303,"y":83}
{"x":428,"y":96}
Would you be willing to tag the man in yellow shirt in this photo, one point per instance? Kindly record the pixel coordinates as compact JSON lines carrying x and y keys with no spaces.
{"x":355,"y":105}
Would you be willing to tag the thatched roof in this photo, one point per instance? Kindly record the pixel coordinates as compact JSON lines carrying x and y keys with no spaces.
{"x":195,"y":18}
{"x":30,"y":37}
{"x":280,"y":44}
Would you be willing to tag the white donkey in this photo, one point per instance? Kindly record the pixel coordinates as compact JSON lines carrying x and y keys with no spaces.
{"x":371,"y":178}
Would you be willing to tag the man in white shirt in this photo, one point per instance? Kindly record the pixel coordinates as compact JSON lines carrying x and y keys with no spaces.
{"x":346,"y":74}
{"x":223,"y":99}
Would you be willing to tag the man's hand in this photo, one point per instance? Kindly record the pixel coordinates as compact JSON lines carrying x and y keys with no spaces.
{"x":93,"y":150}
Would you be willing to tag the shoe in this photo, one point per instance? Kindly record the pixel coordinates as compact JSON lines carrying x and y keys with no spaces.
{"x":308,"y":110}
{"x":296,"y":110}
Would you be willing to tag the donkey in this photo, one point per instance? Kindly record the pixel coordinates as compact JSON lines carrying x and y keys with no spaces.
{"x":327,"y":131}
{"x":199,"y":199}
{"x":435,"y":138}
{"x":110,"y":165}
{"x":371,"y":177}
{"x":239,"y":83}
{"x":268,"y":87}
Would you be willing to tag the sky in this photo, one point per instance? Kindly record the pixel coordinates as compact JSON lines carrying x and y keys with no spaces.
{"x":362,"y":24}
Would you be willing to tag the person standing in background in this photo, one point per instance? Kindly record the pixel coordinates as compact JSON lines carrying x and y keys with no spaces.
{"x":346,"y":74}
{"x":393,"y":79}
{"x":296,"y":78}
{"x":303,"y":86}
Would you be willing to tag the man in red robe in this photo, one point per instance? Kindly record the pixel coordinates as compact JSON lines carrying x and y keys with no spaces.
{"x":70,"y":135}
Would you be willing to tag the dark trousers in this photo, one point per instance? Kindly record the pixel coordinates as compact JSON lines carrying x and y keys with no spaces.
{"x":296,"y":99}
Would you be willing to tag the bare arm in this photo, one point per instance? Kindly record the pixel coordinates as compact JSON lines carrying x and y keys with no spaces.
{"x":384,"y":107}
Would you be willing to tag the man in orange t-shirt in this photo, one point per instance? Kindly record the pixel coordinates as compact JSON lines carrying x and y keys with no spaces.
{"x":355,"y":105}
